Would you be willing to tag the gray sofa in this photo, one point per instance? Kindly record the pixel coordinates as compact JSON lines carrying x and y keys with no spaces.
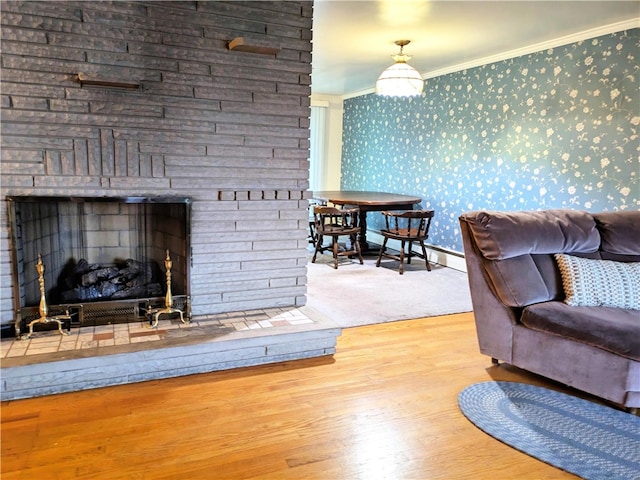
{"x":579,"y":325}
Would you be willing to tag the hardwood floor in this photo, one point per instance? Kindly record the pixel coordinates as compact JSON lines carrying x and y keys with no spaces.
{"x":385,"y":406}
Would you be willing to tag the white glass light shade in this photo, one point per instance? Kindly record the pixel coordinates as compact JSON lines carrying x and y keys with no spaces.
{"x":400,"y":80}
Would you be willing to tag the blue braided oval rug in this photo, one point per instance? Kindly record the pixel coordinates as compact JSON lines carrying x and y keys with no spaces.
{"x":581,"y":437}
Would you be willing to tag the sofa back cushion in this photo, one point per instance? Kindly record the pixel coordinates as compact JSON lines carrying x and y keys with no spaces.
{"x":620,"y":235}
{"x":502,"y":235}
{"x":521,"y":281}
{"x":518,"y":247}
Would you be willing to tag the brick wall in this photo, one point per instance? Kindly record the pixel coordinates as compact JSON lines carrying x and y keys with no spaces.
{"x":228,"y":129}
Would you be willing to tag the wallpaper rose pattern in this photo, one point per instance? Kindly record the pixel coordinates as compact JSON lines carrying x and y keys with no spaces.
{"x":553,"y":129}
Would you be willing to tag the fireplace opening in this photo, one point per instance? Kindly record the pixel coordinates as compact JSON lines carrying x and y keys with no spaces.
{"x":104,"y":258}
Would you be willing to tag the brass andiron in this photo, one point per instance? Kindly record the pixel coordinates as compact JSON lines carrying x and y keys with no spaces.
{"x":168,"y":298}
{"x":43,"y":309}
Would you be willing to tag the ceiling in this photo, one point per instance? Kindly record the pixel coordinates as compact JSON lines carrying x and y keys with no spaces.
{"x":353,"y":40}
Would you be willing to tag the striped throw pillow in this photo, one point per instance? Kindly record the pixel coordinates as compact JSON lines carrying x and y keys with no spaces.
{"x":599,"y":283}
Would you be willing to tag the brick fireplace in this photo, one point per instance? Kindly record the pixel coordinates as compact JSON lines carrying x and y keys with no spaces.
{"x":169,"y":111}
{"x":227,"y":129}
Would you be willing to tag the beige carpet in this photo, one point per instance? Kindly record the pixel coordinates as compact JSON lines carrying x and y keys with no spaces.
{"x":357,"y":294}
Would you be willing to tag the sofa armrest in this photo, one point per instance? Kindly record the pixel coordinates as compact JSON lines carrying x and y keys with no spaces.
{"x":494,"y":320}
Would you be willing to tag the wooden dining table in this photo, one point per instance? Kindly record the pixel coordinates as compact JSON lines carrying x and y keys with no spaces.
{"x":367,"y":202}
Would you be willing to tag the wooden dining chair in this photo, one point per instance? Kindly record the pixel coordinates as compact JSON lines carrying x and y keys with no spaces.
{"x":407,"y":227}
{"x":336,"y":223}
{"x":313,"y":236}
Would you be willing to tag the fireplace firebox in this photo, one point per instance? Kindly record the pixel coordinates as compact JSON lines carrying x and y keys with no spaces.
{"x":105,"y":257}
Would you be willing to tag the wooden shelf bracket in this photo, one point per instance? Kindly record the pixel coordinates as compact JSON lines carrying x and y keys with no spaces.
{"x":238,"y":45}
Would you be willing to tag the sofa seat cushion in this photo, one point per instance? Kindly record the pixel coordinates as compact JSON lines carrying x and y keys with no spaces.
{"x":612,"y":329}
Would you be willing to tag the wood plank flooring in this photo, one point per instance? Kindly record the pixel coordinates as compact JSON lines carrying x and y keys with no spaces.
{"x":384,"y":407}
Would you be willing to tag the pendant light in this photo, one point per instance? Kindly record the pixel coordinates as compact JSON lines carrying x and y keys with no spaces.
{"x":400,"y":79}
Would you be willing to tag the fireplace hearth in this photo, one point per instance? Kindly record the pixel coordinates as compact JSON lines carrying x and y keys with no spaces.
{"x":105,"y":257}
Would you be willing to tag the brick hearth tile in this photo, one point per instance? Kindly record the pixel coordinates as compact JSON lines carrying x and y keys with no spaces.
{"x":18,"y":349}
{"x":5,"y":346}
{"x":103,"y":329}
{"x":228,"y":321}
{"x":279,"y":323}
{"x":85,"y":336}
{"x":300,"y":321}
{"x":171,"y":324}
{"x":103,"y":336}
{"x":138,"y":327}
{"x":37,"y":349}
{"x":150,"y":338}
{"x":43,"y":338}
{"x":88,"y":344}
{"x":146,"y":333}
{"x":67,"y":346}
{"x":208,"y":321}
{"x":121,"y":338}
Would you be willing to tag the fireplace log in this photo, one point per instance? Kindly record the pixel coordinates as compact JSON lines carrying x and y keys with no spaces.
{"x":99,"y":275}
{"x":131,"y":279}
{"x":135,"y":269}
{"x":137,"y":291}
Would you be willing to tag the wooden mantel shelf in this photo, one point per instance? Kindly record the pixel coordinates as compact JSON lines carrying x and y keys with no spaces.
{"x":238,"y":45}
{"x":85,"y":79}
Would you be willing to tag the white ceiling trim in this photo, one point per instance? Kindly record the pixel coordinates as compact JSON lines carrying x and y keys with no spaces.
{"x":538,"y":47}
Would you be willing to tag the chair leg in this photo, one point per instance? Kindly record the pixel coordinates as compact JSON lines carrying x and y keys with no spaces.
{"x":357,"y":244}
{"x":319,"y":241}
{"x":335,"y":252}
{"x":382,"y":249}
{"x":409,"y":252}
{"x":312,"y":233}
{"x":424,"y":252}
{"x":401,"y":268}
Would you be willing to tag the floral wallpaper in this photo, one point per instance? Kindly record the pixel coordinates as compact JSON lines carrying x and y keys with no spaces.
{"x":553,"y":129}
